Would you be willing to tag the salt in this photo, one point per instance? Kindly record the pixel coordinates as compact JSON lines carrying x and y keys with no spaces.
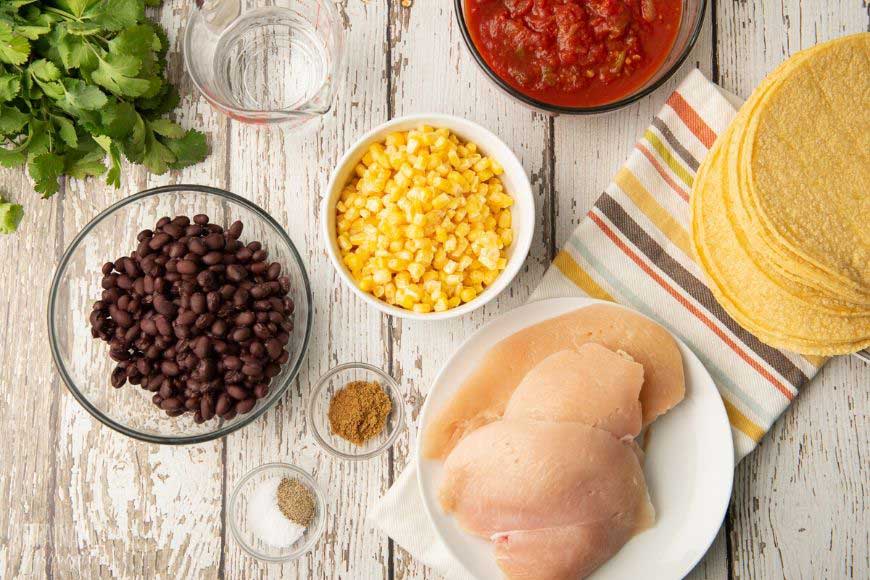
{"x":266,"y":520}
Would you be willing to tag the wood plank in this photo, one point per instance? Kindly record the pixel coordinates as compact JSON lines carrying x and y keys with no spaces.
{"x":799,"y":502}
{"x":124,"y":508}
{"x":285,"y":172}
{"x":441,"y":61}
{"x":29,"y":388}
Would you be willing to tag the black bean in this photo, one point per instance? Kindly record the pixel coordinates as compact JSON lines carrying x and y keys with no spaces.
{"x":246,"y":318}
{"x":171,"y":404}
{"x":272,"y":370}
{"x":212,"y":258}
{"x":235,"y":230}
{"x":245,"y":406}
{"x":236,"y":273}
{"x":186,"y":318}
{"x":240,"y":298}
{"x":213,"y":301}
{"x":237,"y":392}
{"x":274,"y":348}
{"x":144,"y":235}
{"x":244,"y":255}
{"x":119,"y":377}
{"x":223,"y":404}
{"x":241,"y":334}
{"x":163,"y":326}
{"x":261,"y":390}
{"x":260,"y":255}
{"x":159,"y":241}
{"x":214,"y":241}
{"x":202,"y":347}
{"x":186,"y":267}
{"x":164,"y":306}
{"x":200,"y":219}
{"x":173,"y":230}
{"x":177,"y":250}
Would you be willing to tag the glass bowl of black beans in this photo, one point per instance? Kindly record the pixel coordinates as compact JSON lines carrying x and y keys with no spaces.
{"x":180,"y":314}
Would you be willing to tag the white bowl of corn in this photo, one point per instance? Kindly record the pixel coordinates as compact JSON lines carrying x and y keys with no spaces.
{"x":428,"y":216}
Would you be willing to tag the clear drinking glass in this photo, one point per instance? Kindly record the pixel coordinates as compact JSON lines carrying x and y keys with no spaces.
{"x":265,"y":61}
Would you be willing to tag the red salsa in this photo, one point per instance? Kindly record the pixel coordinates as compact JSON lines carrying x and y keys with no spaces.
{"x":574,"y":53}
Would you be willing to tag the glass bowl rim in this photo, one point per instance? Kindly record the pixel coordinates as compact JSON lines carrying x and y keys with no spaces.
{"x":53,"y":333}
{"x":559,"y":109}
{"x":393,"y":388}
{"x":319,"y":499}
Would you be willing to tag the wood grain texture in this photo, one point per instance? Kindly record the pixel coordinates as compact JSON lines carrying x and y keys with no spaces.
{"x":82,"y":500}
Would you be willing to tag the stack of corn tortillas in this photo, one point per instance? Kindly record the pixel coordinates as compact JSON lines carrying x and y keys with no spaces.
{"x":780,"y":206}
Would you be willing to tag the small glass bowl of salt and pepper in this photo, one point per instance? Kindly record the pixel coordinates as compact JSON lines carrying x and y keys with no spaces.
{"x":277,"y":512}
{"x":356,"y":411}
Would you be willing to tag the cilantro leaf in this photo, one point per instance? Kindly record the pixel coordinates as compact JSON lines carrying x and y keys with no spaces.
{"x":189,"y":149}
{"x":10,"y":84}
{"x":66,"y":130}
{"x":167,"y":128}
{"x":76,"y":7}
{"x":74,"y":52}
{"x":117,"y":73}
{"x":12,"y":121}
{"x":158,"y":157}
{"x":46,"y":169}
{"x":118,"y":14}
{"x":80,"y":96}
{"x":44,"y":70}
{"x":83,"y":163}
{"x":11,"y":157}
{"x":14,"y":49}
{"x":113,"y":177}
{"x":10,"y":216}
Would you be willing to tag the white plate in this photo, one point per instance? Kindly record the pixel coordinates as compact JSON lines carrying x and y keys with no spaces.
{"x":689,"y":464}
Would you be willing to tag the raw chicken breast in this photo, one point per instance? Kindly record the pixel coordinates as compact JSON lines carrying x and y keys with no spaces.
{"x":563,"y":553}
{"x":592,"y":385}
{"x":518,"y":476}
{"x":485,"y":394}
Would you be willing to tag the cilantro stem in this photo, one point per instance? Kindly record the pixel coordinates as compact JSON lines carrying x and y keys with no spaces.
{"x":63,"y":13}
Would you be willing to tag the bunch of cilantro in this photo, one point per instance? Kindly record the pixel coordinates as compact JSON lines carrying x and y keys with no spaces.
{"x":82,"y":80}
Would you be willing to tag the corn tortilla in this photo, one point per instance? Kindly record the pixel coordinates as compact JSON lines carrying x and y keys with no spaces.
{"x":745,"y":291}
{"x":802,"y":162}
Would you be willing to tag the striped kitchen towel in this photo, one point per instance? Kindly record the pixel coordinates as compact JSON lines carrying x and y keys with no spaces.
{"x":634,"y":247}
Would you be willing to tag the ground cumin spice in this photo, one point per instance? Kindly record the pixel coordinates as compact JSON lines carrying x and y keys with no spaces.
{"x":359,"y":411}
{"x":296,"y":501}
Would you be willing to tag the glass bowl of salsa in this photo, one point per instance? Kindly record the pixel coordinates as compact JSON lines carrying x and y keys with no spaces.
{"x":579,"y":56}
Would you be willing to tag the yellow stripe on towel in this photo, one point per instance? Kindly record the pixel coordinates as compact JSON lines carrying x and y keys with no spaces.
{"x":578,"y":276}
{"x":658,"y":215}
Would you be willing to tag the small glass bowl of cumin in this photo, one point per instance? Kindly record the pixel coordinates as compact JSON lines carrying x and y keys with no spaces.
{"x":329,"y":385}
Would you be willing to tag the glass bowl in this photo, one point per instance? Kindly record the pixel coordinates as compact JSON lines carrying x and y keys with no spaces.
{"x":318,"y":409}
{"x":83,"y":362}
{"x":266,"y":61}
{"x":687,"y":35}
{"x":237,"y":513}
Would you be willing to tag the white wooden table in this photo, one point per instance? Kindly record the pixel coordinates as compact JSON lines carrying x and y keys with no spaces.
{"x":77,"y":499}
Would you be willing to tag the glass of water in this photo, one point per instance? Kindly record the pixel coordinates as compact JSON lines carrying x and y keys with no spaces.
{"x":266,"y":61}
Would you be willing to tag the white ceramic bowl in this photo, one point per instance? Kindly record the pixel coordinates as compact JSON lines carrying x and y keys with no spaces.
{"x":516,"y":184}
